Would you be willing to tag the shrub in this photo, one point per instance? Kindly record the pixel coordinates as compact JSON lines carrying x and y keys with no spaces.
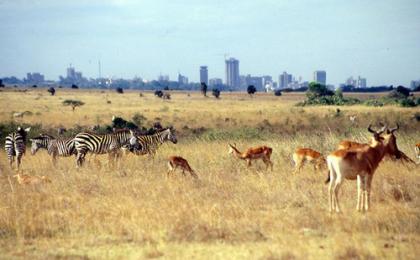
{"x":1,"y":83}
{"x":119,"y":90}
{"x":277,"y":92}
{"x":251,"y":90}
{"x":407,"y":102}
{"x":74,"y":86}
{"x":34,"y":86}
{"x":204,"y":89}
{"x":215,"y":92}
{"x":159,"y":93}
{"x":51,"y":90}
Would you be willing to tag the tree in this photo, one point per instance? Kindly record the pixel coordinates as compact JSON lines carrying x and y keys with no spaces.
{"x":74,"y":86}
{"x":215,"y":92}
{"x":166,"y":88}
{"x":204,"y":89}
{"x":119,"y":90}
{"x":34,"y":86}
{"x":73,"y":103}
{"x":1,"y":83}
{"x":317,"y":90}
{"x":51,"y":90}
{"x":277,"y":92}
{"x":251,"y":90}
{"x":159,"y":93}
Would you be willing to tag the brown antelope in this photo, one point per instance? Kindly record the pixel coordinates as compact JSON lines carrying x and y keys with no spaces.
{"x":361,"y":165}
{"x":31,"y":180}
{"x":177,"y":161}
{"x":417,"y":149}
{"x":260,"y":152}
{"x":346,"y":144}
{"x":302,"y":155}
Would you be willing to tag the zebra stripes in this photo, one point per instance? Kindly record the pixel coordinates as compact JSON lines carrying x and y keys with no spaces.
{"x":15,"y":146}
{"x":148,"y":144}
{"x":55,"y":147}
{"x":101,"y":144}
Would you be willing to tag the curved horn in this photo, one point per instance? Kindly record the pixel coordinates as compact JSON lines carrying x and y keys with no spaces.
{"x":370,"y":129}
{"x":382,"y":129}
{"x":395,"y":128}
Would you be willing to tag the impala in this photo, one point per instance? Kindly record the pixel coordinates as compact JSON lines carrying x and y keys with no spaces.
{"x":177,"y":161}
{"x":417,"y":149}
{"x":302,"y":155}
{"x":261,"y":152}
{"x":32,"y":180}
{"x":361,"y":165}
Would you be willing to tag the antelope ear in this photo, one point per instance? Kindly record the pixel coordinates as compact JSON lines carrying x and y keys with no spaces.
{"x":19,"y":128}
{"x":28,"y":129}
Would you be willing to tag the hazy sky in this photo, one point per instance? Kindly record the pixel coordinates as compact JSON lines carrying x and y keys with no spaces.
{"x":379,"y":40}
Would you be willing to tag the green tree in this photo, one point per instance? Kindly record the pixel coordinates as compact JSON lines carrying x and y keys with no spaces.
{"x":73,"y":103}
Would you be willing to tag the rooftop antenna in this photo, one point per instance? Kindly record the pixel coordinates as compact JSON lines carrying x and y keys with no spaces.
{"x":99,"y":67}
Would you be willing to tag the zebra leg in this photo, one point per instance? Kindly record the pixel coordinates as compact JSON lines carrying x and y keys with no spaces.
{"x":80,"y":158}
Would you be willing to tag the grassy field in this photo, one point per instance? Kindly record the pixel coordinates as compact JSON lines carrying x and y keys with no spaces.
{"x":230,"y":212}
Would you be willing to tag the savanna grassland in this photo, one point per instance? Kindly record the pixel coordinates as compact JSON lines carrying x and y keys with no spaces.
{"x":231,"y":211}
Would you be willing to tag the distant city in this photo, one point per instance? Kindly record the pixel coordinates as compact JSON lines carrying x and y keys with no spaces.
{"x":234,"y":81}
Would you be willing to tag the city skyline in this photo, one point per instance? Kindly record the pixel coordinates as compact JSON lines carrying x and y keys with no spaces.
{"x":375,"y":39}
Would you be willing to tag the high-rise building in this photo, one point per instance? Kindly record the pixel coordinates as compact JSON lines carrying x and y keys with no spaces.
{"x":204,"y":75}
{"x":35,"y":78}
{"x":256,"y":81}
{"x":215,"y":81}
{"x":361,"y":82}
{"x":182,"y":80}
{"x":285,"y":79}
{"x":320,"y":76}
{"x":232,"y":73}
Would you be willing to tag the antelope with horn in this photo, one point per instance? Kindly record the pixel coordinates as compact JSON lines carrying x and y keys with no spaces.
{"x":359,"y":164}
{"x":254,"y":153}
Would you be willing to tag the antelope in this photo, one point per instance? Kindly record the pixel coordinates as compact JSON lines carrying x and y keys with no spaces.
{"x":255,"y":153}
{"x":177,"y":161}
{"x":302,"y":155}
{"x":346,"y":144}
{"x":361,"y":165}
{"x":24,"y":179}
{"x":417,"y":149}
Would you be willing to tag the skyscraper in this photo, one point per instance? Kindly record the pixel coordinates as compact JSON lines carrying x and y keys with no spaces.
{"x":204,"y":75}
{"x":320,"y":76}
{"x":284,"y":79}
{"x":232,"y":73}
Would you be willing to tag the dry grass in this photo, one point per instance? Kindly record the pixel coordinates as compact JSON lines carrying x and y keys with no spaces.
{"x":230,"y":212}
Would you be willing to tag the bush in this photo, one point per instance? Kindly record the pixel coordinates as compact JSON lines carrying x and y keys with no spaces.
{"x":215,"y":92}
{"x":119,"y":90}
{"x":51,"y":90}
{"x":277,"y":92}
{"x":1,"y":83}
{"x":34,"y":86}
{"x":407,"y":102}
{"x":251,"y":90}
{"x":159,"y":93}
{"x":74,"y":86}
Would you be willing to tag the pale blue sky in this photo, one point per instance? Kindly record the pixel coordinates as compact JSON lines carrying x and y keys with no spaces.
{"x":379,"y":40}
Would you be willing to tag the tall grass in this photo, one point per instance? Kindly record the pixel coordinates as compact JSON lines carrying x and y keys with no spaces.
{"x":231,"y":211}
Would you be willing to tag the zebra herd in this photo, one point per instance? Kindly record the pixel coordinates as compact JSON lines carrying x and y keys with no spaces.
{"x":112,"y":144}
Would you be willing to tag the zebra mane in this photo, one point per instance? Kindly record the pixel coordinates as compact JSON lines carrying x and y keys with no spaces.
{"x":43,"y":136}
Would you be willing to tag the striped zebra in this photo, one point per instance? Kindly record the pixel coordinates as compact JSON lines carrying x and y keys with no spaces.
{"x":15,"y":145}
{"x":148,"y":144}
{"x":55,"y":147}
{"x":101,"y":144}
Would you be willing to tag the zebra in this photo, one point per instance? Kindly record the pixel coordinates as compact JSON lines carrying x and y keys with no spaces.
{"x":101,"y":144}
{"x":148,"y":144}
{"x":55,"y":147}
{"x":15,"y":145}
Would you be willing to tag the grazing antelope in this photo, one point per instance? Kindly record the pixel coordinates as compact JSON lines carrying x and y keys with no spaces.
{"x":361,"y":165}
{"x":177,"y":161}
{"x":417,"y":149}
{"x":31,"y":180}
{"x":302,"y":155}
{"x":260,"y":152}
